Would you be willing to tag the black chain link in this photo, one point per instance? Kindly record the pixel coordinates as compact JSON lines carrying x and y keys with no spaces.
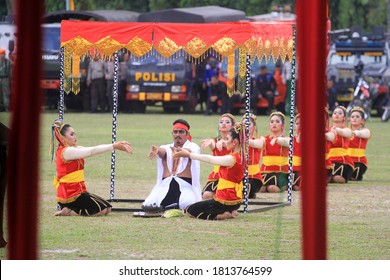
{"x":61,"y":102}
{"x":292,"y":121}
{"x":247,"y":112}
{"x":114,"y":122}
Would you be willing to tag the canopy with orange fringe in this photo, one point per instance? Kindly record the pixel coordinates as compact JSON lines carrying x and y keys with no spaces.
{"x":227,"y":40}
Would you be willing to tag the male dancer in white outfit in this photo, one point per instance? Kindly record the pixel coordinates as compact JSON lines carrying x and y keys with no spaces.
{"x":178,"y":180}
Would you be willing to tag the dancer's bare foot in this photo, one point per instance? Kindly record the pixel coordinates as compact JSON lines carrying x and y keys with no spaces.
{"x":65,"y":212}
{"x":235,"y":213}
{"x":273,"y":189}
{"x":296,"y":188}
{"x":263,"y":189}
{"x":338,"y":179}
{"x":62,"y":212}
{"x":224,"y":216}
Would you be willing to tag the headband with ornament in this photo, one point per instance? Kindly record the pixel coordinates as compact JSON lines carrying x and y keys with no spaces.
{"x":251,"y":115}
{"x":56,"y":135}
{"x":342,"y":108}
{"x":358,"y":109}
{"x":229,"y":116}
{"x":278,"y":114}
{"x":226,"y":115}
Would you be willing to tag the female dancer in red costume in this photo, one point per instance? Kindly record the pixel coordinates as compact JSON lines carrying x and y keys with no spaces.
{"x":255,"y":144}
{"x":297,"y":179}
{"x":225,"y":124}
{"x":229,"y":194}
{"x":358,"y":143}
{"x":328,"y":136}
{"x":274,"y":168}
{"x":72,"y":196}
{"x":339,"y":137}
{"x":284,"y":141}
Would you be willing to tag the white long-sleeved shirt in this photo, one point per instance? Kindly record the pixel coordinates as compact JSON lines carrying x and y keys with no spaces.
{"x":78,"y":152}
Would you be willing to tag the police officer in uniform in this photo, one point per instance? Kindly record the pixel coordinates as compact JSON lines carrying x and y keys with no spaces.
{"x":97,"y":83}
{"x":266,"y":87}
{"x":123,"y":68}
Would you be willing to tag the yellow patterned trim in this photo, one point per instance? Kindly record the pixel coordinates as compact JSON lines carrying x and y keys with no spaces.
{"x":108,"y":46}
{"x":338,"y":152}
{"x":253,"y":169}
{"x":241,"y":81}
{"x":67,"y":62}
{"x":290,"y":49}
{"x":251,"y":47}
{"x":275,"y":50}
{"x":77,"y":45}
{"x":230,"y":74}
{"x":167,"y":47}
{"x":76,"y":74}
{"x":76,"y":85}
{"x":275,"y":160}
{"x":355,"y":152}
{"x":76,"y":66}
{"x":138,"y":47}
{"x":226,"y":184}
{"x":229,"y":202}
{"x":282,"y":50}
{"x":67,"y":200}
{"x":67,"y":85}
{"x":297,"y":161}
{"x":225,"y":46}
{"x":260,"y":49}
{"x":74,"y":177}
{"x":196,"y":47}
{"x":267,"y":49}
{"x":67,"y":70}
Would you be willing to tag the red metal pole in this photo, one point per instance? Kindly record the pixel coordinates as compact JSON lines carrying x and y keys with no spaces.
{"x":311,"y":50}
{"x":23,"y":157}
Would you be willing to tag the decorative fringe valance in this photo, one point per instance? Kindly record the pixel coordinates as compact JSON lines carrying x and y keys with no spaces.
{"x":195,"y":41}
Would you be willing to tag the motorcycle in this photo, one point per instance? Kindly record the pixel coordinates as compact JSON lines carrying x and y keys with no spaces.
{"x":386,"y":112}
{"x":363,"y":96}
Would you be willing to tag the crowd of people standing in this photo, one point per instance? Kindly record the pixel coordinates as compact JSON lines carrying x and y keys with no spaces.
{"x":266,"y":84}
{"x":99,"y":83}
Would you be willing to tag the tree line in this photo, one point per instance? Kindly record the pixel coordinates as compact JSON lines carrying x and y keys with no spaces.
{"x":343,"y":13}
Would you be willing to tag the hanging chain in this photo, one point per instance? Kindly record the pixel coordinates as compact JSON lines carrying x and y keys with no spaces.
{"x":247,"y":112}
{"x":292,"y":121}
{"x":61,"y":102}
{"x":114,"y":122}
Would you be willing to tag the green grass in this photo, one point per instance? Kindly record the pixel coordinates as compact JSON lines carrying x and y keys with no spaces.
{"x":358,"y":213}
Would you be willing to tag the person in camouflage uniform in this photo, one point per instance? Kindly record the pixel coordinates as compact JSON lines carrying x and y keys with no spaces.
{"x":5,"y":73}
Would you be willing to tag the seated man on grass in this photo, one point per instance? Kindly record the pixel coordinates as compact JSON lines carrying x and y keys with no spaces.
{"x":178,"y":180}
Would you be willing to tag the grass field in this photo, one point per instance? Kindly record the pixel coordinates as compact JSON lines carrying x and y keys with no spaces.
{"x":358,"y":213}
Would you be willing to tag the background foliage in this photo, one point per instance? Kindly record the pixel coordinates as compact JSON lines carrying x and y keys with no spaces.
{"x":343,"y":13}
